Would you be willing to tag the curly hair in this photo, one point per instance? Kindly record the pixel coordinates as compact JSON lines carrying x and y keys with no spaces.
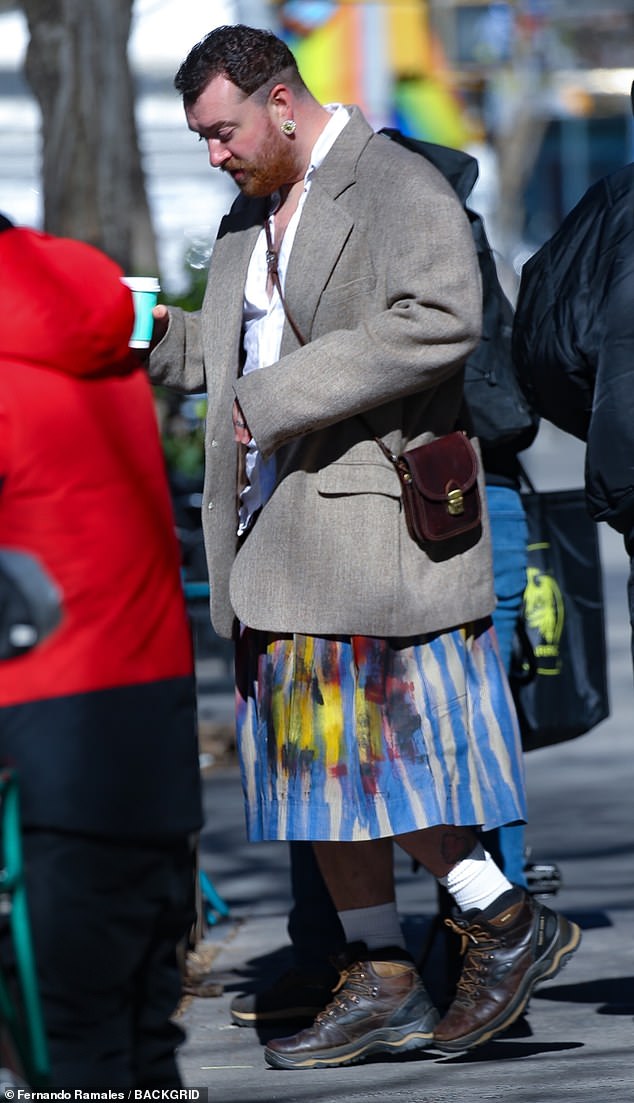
{"x":249,"y":57}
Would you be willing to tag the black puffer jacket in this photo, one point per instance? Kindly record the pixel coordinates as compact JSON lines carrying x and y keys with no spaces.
{"x":573,"y":340}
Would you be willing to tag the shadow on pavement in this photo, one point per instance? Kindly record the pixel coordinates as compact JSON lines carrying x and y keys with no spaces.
{"x":508,"y":1051}
{"x":613,"y":993}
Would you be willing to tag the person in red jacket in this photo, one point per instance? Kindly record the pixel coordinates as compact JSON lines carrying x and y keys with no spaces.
{"x":98,"y":719}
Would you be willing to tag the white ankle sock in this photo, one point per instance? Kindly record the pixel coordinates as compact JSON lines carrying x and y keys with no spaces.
{"x":378,"y":926}
{"x":476,"y":881}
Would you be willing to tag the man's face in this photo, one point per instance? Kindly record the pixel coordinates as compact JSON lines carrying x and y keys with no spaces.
{"x":243,"y":138}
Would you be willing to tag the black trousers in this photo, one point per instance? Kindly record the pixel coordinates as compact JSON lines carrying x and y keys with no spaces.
{"x":107,"y":918}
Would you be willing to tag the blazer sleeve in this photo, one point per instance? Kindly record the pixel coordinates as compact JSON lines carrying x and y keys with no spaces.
{"x":177,"y":361}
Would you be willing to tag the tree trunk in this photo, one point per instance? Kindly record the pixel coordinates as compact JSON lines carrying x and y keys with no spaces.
{"x":93,"y":184}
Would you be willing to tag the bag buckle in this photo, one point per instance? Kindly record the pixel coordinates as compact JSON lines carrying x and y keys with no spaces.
{"x":455,"y":502}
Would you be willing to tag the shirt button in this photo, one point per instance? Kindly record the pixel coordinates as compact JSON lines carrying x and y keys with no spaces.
{"x":214,"y":444}
{"x":210,"y":505}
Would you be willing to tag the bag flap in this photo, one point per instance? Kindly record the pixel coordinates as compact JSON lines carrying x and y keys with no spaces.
{"x":448,"y":463}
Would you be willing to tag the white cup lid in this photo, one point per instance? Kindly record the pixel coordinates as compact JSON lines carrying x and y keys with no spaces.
{"x":141,"y":283}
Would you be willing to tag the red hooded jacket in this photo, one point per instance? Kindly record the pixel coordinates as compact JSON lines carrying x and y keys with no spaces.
{"x":99,"y":718}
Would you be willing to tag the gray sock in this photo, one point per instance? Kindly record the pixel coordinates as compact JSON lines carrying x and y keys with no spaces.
{"x":377,"y":926}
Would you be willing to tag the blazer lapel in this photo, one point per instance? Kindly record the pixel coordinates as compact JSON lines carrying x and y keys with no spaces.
{"x":324,"y":226}
{"x":321,"y":235}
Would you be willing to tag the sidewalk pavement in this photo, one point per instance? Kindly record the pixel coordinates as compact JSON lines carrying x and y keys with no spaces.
{"x":576,"y":1041}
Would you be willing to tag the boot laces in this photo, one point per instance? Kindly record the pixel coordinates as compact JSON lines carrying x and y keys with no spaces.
{"x":353,"y":984}
{"x":476,"y":946}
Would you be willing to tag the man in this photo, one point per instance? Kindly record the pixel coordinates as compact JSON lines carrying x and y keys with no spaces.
{"x":573,"y":338}
{"x":365,"y":712}
{"x":97,"y":701}
{"x":504,"y":426}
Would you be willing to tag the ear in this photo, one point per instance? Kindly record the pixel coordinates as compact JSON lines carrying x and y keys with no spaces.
{"x":281,"y":103}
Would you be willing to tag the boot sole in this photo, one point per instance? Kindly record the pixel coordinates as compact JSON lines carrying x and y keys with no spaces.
{"x":541,"y":970}
{"x":394,"y":1040}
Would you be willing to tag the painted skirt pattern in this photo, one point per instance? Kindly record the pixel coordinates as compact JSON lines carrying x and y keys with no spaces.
{"x":359,"y":737}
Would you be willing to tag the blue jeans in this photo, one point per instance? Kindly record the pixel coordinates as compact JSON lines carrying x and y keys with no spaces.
{"x":509,"y":536}
{"x":313,"y":924}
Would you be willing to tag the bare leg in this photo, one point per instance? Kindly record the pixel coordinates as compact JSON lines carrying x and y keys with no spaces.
{"x":439,"y":849}
{"x":361,"y":875}
{"x":358,"y":875}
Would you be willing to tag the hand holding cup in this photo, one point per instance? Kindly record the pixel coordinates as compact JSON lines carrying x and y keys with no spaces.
{"x":145,"y":291}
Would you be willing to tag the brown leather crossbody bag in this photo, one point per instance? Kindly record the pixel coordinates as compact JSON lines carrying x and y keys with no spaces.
{"x":439,"y":485}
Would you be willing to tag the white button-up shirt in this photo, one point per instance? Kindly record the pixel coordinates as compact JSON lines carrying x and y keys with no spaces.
{"x":264,"y":317}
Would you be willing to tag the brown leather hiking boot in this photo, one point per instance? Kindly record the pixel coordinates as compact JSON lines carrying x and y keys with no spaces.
{"x":510,"y":947}
{"x":378,"y":1007}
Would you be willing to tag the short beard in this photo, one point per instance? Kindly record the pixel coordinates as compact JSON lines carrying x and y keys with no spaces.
{"x":275,"y":167}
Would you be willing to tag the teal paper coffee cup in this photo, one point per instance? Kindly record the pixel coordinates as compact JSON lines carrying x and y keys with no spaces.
{"x":145,"y":291}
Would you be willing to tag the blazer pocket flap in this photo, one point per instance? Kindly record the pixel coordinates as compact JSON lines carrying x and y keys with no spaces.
{"x":359,"y":478}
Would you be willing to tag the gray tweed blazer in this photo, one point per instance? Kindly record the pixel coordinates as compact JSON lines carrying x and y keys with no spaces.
{"x":383,"y":281}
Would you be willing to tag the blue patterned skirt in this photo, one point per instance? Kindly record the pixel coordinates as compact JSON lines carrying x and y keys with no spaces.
{"x":359,"y":737}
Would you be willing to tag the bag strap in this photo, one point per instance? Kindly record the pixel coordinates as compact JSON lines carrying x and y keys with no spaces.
{"x":273,"y":271}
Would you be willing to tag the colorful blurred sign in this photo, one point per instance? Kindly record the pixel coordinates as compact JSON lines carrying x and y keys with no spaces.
{"x":381,"y":56}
